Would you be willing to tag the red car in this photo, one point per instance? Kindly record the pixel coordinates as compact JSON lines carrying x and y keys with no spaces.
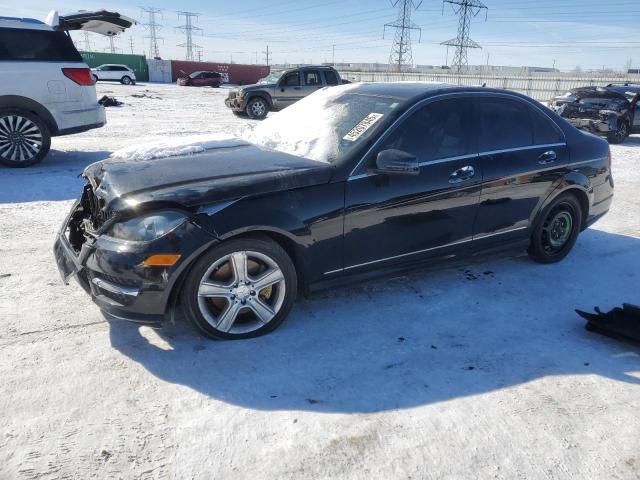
{"x":202,"y":79}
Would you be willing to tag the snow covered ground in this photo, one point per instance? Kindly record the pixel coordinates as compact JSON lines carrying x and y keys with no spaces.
{"x":475,"y":370}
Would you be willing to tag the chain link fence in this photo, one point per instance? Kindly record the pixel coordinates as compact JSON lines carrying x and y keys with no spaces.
{"x":542,"y":87}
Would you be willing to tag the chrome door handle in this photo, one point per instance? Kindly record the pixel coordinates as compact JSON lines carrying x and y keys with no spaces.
{"x":547,"y":157}
{"x":462,"y":174}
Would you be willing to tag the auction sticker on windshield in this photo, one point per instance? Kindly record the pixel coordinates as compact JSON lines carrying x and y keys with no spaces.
{"x":365,"y":124}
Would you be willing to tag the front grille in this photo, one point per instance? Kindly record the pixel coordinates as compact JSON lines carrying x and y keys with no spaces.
{"x":95,"y":208}
{"x":232,"y":95}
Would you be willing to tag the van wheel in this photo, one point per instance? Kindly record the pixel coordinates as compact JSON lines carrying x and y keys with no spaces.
{"x":24,"y":138}
{"x":126,"y":80}
{"x":241,"y":288}
{"x":557,"y":230}
{"x":257,"y":108}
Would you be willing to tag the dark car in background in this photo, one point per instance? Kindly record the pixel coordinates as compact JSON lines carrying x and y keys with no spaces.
{"x":382,"y":177}
{"x":202,"y":79}
{"x":281,"y":89}
{"x":610,"y":111}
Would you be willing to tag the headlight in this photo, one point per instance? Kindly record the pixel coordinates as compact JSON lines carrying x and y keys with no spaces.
{"x":148,"y":227}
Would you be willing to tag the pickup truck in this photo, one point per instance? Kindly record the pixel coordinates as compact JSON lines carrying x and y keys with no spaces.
{"x":280,"y":89}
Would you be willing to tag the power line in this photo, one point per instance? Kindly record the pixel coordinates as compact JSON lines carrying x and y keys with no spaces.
{"x":153,"y":28}
{"x":401,"y":50}
{"x":188,"y":28}
{"x":465,"y":9}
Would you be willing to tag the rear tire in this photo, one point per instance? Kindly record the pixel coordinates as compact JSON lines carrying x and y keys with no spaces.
{"x":126,"y":80}
{"x":621,"y":133}
{"x":24,"y":138}
{"x":556,"y":230}
{"x":242,"y":288}
{"x":257,"y":108}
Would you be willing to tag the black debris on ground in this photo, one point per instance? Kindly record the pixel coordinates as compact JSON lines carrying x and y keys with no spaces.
{"x":619,"y":323}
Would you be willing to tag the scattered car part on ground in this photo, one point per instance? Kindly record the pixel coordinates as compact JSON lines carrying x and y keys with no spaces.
{"x":608,"y":111}
{"x":201,"y":79}
{"x":115,"y":73}
{"x":340,"y":186}
{"x":618,"y":323}
{"x":107,"y":101}
{"x":46,"y":89}
{"x":280,"y":89}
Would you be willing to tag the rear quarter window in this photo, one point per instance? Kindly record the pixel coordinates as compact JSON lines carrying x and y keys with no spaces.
{"x":36,"y":45}
{"x":331,"y":77}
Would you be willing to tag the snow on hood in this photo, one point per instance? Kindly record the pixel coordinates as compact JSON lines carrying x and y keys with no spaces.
{"x":176,"y":146}
{"x":306,"y":128}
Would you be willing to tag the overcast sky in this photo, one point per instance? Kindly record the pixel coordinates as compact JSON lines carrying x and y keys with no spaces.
{"x":586,"y":33}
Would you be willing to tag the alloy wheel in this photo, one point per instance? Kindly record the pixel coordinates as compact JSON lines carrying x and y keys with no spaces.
{"x":241,"y":292}
{"x":258,"y":108}
{"x":20,"y":139}
{"x":621,"y":131}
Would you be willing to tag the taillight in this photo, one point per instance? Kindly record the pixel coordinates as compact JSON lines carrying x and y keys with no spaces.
{"x":82,"y":76}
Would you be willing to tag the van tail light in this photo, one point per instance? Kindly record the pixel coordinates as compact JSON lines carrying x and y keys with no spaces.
{"x":82,"y":76}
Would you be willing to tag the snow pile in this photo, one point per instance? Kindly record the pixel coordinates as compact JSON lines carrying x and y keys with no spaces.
{"x":306,"y":128}
{"x":175,"y":146}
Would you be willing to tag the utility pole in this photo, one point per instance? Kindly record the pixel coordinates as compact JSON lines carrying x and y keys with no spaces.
{"x":401,"y":50}
{"x":267,"y":55}
{"x":199,"y":52}
{"x":131,"y":44}
{"x":256,"y":57}
{"x":188,"y":28}
{"x":465,"y":9}
{"x":333,"y":55}
{"x":153,"y":28}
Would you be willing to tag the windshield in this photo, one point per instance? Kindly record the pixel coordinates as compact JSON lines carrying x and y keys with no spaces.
{"x":194,"y":74}
{"x":324,"y":126}
{"x":273,"y":77}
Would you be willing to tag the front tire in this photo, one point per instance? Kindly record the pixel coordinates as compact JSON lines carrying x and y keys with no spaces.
{"x":242,"y":288}
{"x":24,"y":138}
{"x":257,"y":108}
{"x":126,"y":80}
{"x":557,"y":230}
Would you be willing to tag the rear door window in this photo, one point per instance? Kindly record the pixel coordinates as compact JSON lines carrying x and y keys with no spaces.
{"x":312,"y":77}
{"x":503,"y":124}
{"x":36,"y":45}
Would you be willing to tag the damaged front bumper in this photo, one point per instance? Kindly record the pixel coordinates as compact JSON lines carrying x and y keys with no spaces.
{"x":114,"y":274}
{"x":235,"y":103}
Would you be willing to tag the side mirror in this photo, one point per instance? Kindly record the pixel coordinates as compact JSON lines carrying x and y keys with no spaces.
{"x":396,"y":162}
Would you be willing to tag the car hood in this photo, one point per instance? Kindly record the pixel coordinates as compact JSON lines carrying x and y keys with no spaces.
{"x":215,"y":175}
{"x":257,"y":86}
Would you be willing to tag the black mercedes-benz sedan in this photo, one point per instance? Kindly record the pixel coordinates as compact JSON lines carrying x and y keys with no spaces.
{"x":352,"y":181}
